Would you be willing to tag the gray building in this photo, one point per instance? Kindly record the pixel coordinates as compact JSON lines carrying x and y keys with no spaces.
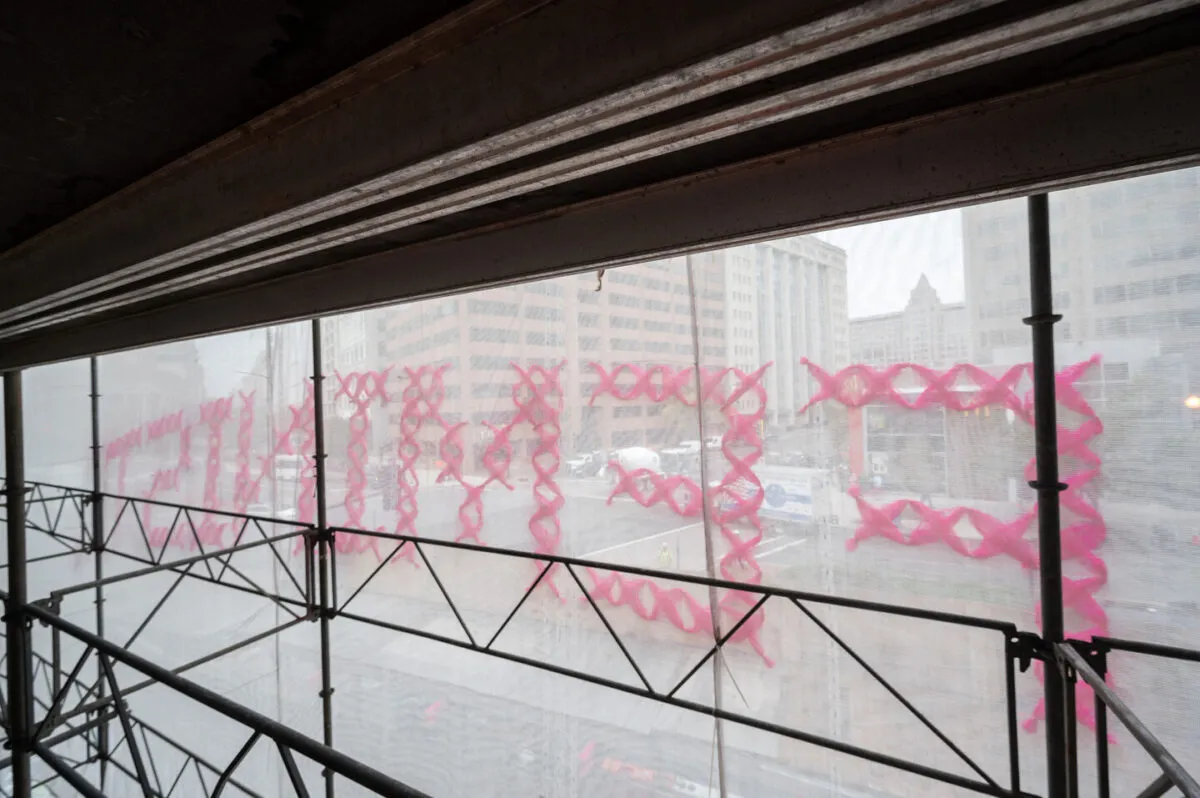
{"x":1126,"y":271}
{"x":927,"y":331}
{"x":785,"y":300}
{"x":1126,"y":266}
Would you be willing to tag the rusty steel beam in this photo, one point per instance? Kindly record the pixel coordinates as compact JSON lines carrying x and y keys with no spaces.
{"x":498,"y":81}
{"x":530,"y":156}
{"x":1044,"y":139}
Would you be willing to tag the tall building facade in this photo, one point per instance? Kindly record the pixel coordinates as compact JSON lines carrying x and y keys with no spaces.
{"x":742,"y":307}
{"x":1125,"y":259}
{"x":927,"y":331}
{"x":784,"y":300}
{"x":640,"y":315}
{"x":1126,"y":272}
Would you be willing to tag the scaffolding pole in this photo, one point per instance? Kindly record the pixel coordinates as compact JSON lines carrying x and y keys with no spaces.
{"x":98,"y":558}
{"x":20,"y":662}
{"x":324,"y":548}
{"x":1045,"y":427}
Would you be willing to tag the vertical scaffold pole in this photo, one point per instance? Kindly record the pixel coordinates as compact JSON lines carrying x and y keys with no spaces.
{"x":98,"y":557}
{"x":20,"y":688}
{"x":324,"y":547}
{"x":1041,"y":321}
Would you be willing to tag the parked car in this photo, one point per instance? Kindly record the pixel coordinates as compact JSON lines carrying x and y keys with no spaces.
{"x":588,"y":464}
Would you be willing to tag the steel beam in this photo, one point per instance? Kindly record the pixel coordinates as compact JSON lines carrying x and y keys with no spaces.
{"x":1050,"y":138}
{"x":701,"y":83}
{"x":452,"y":100}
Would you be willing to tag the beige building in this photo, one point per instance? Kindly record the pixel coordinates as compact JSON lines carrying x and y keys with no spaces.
{"x":773,"y":302}
{"x":927,"y":331}
{"x":636,"y":314}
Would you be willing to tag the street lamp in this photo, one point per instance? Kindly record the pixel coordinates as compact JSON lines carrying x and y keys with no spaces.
{"x":1192,"y":402}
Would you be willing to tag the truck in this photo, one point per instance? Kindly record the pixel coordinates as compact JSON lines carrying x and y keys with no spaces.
{"x":788,"y":495}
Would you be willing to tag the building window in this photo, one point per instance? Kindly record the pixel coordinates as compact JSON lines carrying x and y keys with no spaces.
{"x":624,"y":300}
{"x":543,"y":313}
{"x":488,"y":307}
{"x":481,"y":390}
{"x":589,"y":319}
{"x":625,"y":344}
{"x":1114,"y":372}
{"x":623,"y":322}
{"x":628,"y":437}
{"x":589,"y":342}
{"x":490,"y":362}
{"x":494,"y":335}
{"x":545,"y":288}
{"x":627,"y":411}
{"x":656,"y":435}
{"x":543,"y":339}
{"x":492,"y":417}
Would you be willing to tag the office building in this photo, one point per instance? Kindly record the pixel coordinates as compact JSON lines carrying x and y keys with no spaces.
{"x":1126,"y":265}
{"x":772,"y":303}
{"x":927,"y":332}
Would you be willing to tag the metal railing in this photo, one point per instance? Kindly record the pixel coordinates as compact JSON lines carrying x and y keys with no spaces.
{"x":97,"y":703}
{"x":1087,"y":660}
{"x":1014,"y":642}
{"x":93,"y":708}
{"x":287,"y":741}
{"x":101,"y":700}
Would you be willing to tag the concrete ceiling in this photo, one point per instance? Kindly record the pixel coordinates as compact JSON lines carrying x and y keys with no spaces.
{"x":486,"y":142}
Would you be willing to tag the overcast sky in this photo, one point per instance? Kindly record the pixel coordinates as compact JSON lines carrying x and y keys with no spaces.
{"x":885,"y":260}
{"x":226,"y":357}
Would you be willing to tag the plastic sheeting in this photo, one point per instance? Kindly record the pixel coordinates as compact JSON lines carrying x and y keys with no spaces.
{"x":847,"y":414}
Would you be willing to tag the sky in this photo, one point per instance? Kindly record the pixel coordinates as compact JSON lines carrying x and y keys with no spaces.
{"x":227,"y":359}
{"x":885,"y":260}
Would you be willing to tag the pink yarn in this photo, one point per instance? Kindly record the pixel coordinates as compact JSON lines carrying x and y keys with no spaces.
{"x":860,"y":385}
